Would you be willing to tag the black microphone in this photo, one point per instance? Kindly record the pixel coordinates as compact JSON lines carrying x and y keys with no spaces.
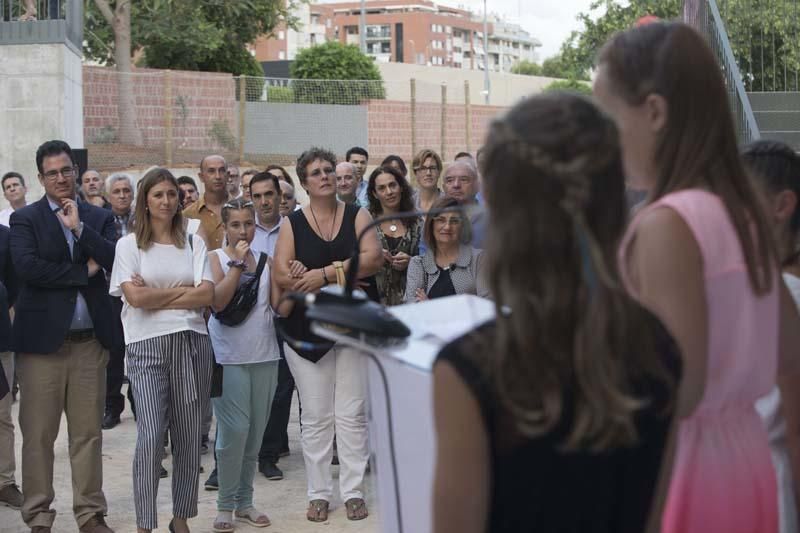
{"x":354,"y":312}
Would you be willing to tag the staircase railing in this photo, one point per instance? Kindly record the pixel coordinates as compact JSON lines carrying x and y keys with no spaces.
{"x":704,"y":15}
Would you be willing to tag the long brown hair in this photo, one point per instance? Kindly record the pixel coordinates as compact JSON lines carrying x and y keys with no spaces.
{"x":142,"y":226}
{"x":697,"y":148}
{"x":574,"y":344}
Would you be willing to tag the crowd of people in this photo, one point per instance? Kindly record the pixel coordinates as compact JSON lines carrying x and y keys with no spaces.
{"x":176,"y":290}
{"x":642,"y":372}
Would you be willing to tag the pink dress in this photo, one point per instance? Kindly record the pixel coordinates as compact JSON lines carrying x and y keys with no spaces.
{"x":723,"y":479}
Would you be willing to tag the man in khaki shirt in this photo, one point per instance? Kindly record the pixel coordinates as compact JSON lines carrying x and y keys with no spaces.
{"x":208,"y":209}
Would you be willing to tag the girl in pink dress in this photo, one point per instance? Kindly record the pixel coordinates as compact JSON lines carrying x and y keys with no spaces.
{"x":700,"y":255}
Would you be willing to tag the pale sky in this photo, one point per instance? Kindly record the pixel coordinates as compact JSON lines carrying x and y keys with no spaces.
{"x":550,"y":21}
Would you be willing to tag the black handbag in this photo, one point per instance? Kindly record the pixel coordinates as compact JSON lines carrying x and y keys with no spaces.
{"x":244,"y":299}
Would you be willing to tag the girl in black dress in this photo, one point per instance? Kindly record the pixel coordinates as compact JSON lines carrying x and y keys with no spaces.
{"x":556,"y":416}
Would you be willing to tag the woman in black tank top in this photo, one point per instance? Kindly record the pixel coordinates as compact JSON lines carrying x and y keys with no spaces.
{"x":312,"y":251}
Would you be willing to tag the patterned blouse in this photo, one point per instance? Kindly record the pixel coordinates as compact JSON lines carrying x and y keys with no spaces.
{"x":391,"y":282}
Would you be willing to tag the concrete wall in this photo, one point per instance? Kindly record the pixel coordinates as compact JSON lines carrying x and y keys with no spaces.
{"x":293,"y":128}
{"x":506,"y":89}
{"x":40,"y":99}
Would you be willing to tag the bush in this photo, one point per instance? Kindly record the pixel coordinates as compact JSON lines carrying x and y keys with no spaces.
{"x":280,"y":94}
{"x":527,"y":68}
{"x":221,"y":133}
{"x":105,"y":135}
{"x":572,"y":85}
{"x":334,"y":73}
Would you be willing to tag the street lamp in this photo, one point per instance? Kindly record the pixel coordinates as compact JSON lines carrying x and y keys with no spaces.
{"x":487,"y":88}
{"x":362,"y":27}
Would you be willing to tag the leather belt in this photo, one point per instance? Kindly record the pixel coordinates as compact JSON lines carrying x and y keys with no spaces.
{"x":79,"y":335}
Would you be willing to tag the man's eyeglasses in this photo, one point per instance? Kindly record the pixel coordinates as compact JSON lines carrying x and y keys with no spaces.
{"x":67,"y":172}
{"x":427,"y":169}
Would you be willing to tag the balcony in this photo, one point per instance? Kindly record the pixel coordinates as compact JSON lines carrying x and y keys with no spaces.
{"x":58,"y":21}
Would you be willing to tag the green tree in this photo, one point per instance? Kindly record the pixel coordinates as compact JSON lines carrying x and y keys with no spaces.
{"x":604,"y":18}
{"x":763,"y":36}
{"x":527,"y":68}
{"x":206,"y":35}
{"x":350,"y":76}
{"x":571,"y":85}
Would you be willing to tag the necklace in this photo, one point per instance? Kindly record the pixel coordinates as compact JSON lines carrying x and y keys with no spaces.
{"x":393,"y":228}
{"x":333,"y":224}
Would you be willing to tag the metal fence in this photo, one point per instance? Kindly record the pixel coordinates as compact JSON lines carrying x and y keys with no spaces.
{"x":174,"y":118}
{"x":705,"y":16}
{"x":50,"y":22}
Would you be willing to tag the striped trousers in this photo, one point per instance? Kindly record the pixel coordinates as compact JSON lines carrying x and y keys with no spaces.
{"x":171,"y":378}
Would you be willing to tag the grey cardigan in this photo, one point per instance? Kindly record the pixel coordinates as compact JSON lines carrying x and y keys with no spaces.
{"x":468,"y":276}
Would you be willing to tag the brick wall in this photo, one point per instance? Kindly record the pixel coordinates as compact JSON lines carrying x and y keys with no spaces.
{"x":199,"y":99}
{"x":389,"y":125}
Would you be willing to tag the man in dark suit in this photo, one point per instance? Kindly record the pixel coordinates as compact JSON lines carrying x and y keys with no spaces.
{"x":10,"y":496}
{"x":62,"y":332}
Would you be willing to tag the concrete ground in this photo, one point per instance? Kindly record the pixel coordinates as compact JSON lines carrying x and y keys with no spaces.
{"x":284,"y":501}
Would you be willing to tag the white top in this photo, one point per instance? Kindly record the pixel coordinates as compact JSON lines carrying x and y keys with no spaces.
{"x":252,"y":341}
{"x":5,"y":216}
{"x":162,"y":266}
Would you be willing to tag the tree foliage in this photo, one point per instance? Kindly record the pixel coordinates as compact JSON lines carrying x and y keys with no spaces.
{"x":527,"y":68}
{"x":357,"y":77}
{"x":207,"y":35}
{"x":572,"y":85}
{"x":764,"y":37}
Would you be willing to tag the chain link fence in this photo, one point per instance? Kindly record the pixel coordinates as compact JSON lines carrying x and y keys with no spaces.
{"x":174,"y":118}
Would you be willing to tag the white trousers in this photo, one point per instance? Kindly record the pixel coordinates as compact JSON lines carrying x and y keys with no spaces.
{"x":332,"y":395}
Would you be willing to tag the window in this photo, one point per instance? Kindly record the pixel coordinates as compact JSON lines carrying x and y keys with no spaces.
{"x":281,"y":55}
{"x":448,"y":29}
{"x":281,"y":35}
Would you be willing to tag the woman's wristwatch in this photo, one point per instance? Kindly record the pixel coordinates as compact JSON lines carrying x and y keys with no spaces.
{"x":237,"y":263}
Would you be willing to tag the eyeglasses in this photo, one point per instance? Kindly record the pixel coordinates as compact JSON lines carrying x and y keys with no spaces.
{"x":447,"y":221}
{"x":67,"y":172}
{"x":427,"y":169}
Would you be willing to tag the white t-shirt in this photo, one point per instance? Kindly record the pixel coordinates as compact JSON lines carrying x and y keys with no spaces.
{"x":5,"y":216}
{"x":162,"y":266}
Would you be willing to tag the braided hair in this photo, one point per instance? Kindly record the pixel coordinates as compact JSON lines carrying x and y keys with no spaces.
{"x":574,"y":341}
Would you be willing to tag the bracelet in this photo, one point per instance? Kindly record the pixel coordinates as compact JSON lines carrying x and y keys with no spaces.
{"x":237,"y":263}
{"x":325,"y":278}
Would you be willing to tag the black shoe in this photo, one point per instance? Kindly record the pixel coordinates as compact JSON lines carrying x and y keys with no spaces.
{"x":110,"y":420}
{"x":204,"y":445}
{"x":271,"y":471}
{"x":163,"y":473}
{"x":211,"y":482}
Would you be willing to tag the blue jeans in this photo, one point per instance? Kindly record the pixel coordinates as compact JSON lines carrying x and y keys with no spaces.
{"x":242,"y":412}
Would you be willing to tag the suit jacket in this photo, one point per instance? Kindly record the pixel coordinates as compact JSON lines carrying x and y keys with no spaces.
{"x":8,"y":290}
{"x":50,"y":278}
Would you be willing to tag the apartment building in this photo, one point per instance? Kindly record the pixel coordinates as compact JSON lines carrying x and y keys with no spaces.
{"x":406,"y":31}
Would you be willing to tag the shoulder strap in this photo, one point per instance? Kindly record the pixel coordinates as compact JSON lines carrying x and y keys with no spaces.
{"x":262,"y":260}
